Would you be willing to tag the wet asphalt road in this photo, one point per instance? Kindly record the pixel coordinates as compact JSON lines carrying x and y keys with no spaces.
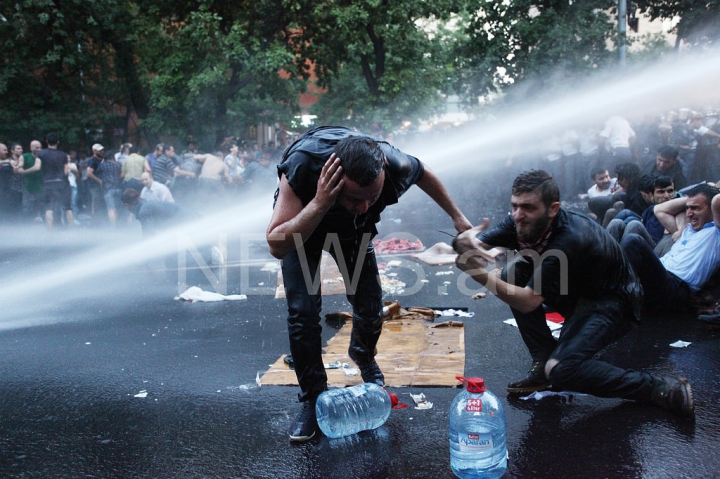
{"x":68,"y":407}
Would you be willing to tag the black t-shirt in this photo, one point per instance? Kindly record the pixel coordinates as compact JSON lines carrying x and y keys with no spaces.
{"x":303,"y":162}
{"x":581,"y":261}
{"x":53,"y":164}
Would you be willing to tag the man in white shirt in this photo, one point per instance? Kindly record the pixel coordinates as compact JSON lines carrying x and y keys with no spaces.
{"x":619,"y":136}
{"x":604,"y":185}
{"x":154,"y":191}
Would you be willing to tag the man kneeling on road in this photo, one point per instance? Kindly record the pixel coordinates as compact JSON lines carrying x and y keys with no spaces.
{"x":568,"y":262}
{"x":334,"y":183}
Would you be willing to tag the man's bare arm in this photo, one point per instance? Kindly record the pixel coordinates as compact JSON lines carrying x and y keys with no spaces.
{"x":434,"y":188}
{"x":671,"y":214}
{"x":290,"y":218}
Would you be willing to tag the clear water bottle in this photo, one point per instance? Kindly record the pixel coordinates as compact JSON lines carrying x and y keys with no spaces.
{"x":345,"y":411}
{"x":478,"y":447}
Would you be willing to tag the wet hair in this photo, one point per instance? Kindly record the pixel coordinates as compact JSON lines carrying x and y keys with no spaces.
{"x":597,"y":171}
{"x":628,"y":171}
{"x":166,"y":147}
{"x":668,"y":152}
{"x":647,"y":184}
{"x":13,"y":145}
{"x":52,"y":139}
{"x":539,"y":181}
{"x":704,"y":189}
{"x":130,"y":196}
{"x":662,"y":181}
{"x":361,"y":158}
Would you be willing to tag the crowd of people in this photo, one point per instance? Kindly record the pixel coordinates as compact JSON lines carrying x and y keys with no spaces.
{"x":49,"y":185}
{"x":650,"y":236}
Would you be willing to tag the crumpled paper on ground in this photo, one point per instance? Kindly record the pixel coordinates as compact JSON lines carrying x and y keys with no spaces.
{"x":194,"y":293}
{"x":538,"y":395}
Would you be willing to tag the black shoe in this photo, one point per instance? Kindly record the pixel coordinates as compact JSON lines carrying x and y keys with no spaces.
{"x":370,"y":371}
{"x":675,"y":395}
{"x":305,"y":425}
{"x":535,"y":380}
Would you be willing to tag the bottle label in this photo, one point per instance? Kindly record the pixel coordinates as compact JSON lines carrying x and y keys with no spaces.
{"x":357,"y":390}
{"x":473,"y":405}
{"x":470,"y":441}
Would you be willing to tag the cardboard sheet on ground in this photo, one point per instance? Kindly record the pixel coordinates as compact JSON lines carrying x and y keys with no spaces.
{"x":411,"y":352}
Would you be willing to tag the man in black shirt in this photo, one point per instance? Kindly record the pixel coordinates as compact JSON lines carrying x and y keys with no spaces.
{"x":54,"y":167}
{"x":568,"y":262}
{"x":334,"y":183}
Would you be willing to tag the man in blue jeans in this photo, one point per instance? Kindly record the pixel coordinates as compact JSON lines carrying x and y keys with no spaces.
{"x":334,"y":183}
{"x":567,"y":261}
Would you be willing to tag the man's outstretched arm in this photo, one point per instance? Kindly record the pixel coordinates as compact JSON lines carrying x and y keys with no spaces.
{"x":434,"y":188}
{"x":471,"y":260}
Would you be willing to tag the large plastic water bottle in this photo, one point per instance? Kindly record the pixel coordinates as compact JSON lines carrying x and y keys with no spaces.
{"x":345,"y":411}
{"x":478,"y":447}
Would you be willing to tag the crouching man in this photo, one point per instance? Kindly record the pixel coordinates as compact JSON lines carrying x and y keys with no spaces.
{"x":569,"y":263}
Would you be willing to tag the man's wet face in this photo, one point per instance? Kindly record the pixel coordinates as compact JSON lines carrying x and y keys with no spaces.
{"x":358,"y":199}
{"x":698,"y":212}
{"x":531,"y":216}
{"x":602,"y":181}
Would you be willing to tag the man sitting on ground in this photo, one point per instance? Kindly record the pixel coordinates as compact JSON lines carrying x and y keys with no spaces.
{"x":568,"y":262}
{"x":655,"y":190}
{"x":670,"y":282}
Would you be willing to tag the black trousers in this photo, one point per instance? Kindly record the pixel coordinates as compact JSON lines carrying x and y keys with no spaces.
{"x":591,"y":326}
{"x":356,"y":259}
{"x":663,"y":290}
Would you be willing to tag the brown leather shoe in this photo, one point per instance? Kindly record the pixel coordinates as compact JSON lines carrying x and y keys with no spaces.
{"x":535,"y":380}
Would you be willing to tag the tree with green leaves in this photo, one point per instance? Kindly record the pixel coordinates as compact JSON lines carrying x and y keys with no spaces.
{"x":699,"y":23}
{"x":380,"y":61}
{"x":526,"y":46}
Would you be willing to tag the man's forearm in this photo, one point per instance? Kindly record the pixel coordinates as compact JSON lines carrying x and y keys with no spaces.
{"x":433,"y":187}
{"x":283,"y":239}
{"x":667,"y":213}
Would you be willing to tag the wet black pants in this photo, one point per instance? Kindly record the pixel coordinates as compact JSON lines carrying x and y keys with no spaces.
{"x":592,"y":326}
{"x":302,"y":282}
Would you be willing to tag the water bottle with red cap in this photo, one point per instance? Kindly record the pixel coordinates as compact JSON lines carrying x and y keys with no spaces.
{"x":478,"y":447}
{"x":345,"y":411}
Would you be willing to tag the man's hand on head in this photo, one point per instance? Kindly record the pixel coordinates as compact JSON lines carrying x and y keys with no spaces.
{"x":330,"y":183}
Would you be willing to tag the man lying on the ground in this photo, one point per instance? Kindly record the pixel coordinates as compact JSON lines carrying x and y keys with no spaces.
{"x":570,"y":263}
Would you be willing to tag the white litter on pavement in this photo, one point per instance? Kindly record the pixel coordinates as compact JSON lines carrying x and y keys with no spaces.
{"x":194,"y":293}
{"x":421,"y":401}
{"x":443,"y":273}
{"x":394,"y":263}
{"x":141,"y":394}
{"x":351,"y":371}
{"x":273,"y":266}
{"x":538,"y":395}
{"x":455,"y":312}
{"x":680,"y":344}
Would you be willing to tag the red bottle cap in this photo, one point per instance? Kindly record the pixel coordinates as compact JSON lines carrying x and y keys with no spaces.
{"x":473,"y":385}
